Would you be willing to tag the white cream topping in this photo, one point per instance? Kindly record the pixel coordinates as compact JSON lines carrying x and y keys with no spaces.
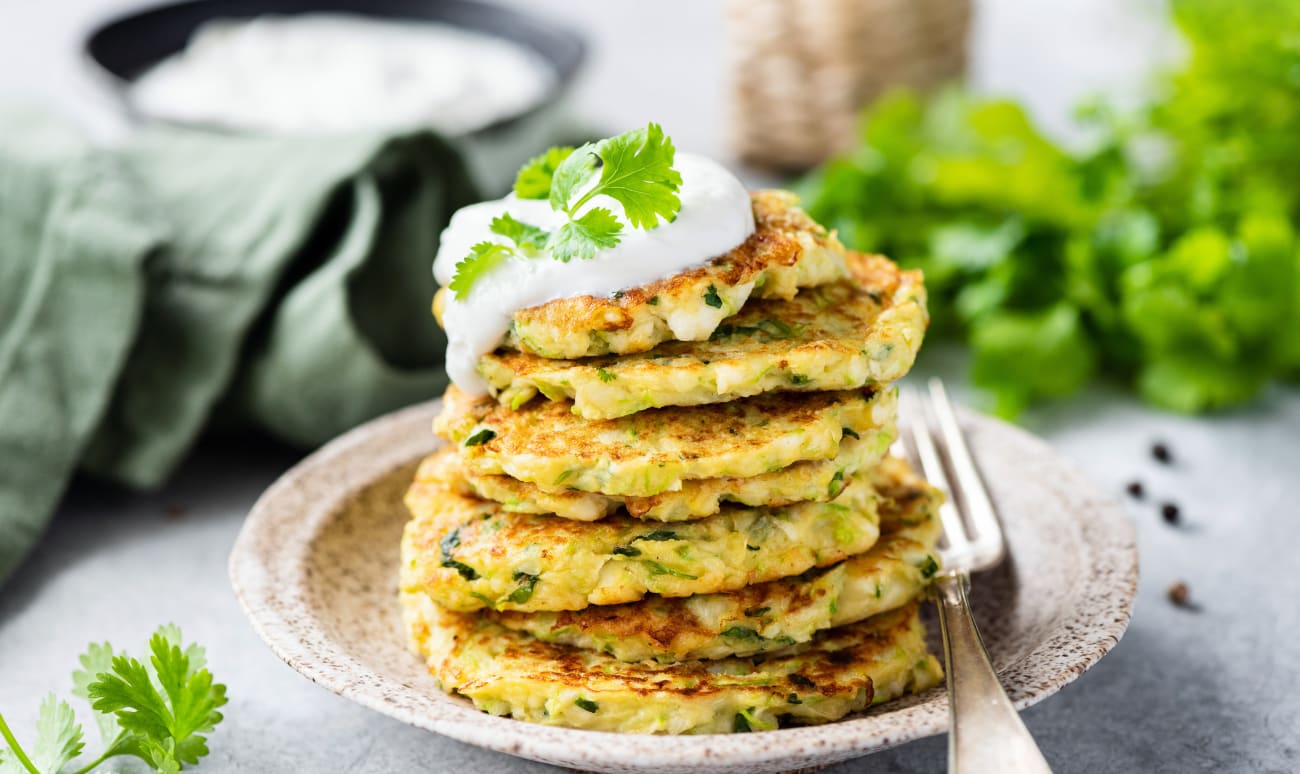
{"x":715,"y":217}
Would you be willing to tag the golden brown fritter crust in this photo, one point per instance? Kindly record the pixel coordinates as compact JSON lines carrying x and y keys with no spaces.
{"x":508,"y":673}
{"x":787,"y":251}
{"x":865,"y":330}
{"x":769,"y":616}
{"x":814,"y":480}
{"x":655,"y":451}
{"x":469,"y":553}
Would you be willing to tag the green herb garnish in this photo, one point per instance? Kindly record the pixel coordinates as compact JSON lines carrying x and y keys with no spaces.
{"x":634,"y":169}
{"x":587,"y":704}
{"x":712,"y":298}
{"x":534,"y":178}
{"x":526,"y":237}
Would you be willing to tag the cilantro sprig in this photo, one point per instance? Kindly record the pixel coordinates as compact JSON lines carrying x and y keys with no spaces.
{"x":159,"y":711}
{"x":634,"y":169}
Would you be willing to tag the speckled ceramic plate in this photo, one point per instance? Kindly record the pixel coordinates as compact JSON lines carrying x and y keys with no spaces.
{"x":315,"y":568}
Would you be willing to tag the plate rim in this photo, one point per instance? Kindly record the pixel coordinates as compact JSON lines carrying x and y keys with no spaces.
{"x":266,"y":591}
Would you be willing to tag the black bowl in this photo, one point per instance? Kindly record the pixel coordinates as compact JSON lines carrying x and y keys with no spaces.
{"x":124,"y":47}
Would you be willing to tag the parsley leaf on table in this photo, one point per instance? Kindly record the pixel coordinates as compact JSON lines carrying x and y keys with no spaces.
{"x":58,"y":741}
{"x":171,"y":724}
{"x":97,"y":659}
{"x":157,"y":711}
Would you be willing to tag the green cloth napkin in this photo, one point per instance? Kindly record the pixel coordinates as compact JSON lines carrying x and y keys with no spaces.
{"x":184,"y":278}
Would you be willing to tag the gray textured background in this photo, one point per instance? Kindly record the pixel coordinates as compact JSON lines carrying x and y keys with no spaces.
{"x":1216,"y":689}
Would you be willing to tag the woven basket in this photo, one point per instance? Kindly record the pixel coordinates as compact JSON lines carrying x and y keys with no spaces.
{"x":802,"y":69}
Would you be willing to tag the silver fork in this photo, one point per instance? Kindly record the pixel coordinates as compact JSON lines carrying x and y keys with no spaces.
{"x":985,"y":735}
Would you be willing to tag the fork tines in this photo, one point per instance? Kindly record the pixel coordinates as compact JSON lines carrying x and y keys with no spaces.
{"x":972,"y":536}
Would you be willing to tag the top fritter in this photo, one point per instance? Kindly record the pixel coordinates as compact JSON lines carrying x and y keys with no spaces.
{"x":787,"y":251}
{"x":853,"y":333}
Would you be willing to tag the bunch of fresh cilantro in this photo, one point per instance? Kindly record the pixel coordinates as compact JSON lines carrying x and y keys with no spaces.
{"x":157,"y":711}
{"x":1165,"y":256}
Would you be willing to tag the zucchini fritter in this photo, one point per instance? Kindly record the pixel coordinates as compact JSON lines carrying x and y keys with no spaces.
{"x":657,"y":450}
{"x":818,"y":481}
{"x":787,"y":251}
{"x":769,"y":616}
{"x":861,"y":331}
{"x":467,"y":553}
{"x":508,"y":673}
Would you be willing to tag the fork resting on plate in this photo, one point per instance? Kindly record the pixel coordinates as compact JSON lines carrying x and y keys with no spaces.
{"x":985,"y":735}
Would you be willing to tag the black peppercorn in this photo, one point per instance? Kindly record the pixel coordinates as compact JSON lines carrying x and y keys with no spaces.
{"x":1135,"y":490}
{"x":1161,"y":453}
{"x":1170,"y":513}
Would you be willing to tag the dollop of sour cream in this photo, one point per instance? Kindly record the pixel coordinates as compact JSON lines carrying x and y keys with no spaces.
{"x":715,"y":217}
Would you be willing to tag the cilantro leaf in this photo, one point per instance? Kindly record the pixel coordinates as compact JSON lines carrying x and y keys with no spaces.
{"x":58,"y":736}
{"x":582,"y":237}
{"x":483,"y":258}
{"x":157,"y":712}
{"x":59,"y":739}
{"x":1021,"y":357}
{"x":636,"y":170}
{"x":570,"y":176}
{"x":168,"y":726}
{"x":97,"y":659}
{"x":525,"y":235}
{"x":1190,"y":382}
{"x":534,"y":178}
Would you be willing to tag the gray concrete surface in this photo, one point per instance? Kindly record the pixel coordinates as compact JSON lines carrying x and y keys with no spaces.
{"x":1216,"y":689}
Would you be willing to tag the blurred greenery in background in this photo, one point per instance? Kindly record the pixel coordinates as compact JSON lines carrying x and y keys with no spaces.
{"x":1165,"y":255}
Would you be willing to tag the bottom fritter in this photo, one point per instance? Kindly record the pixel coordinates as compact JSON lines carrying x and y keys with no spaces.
{"x":510,"y":673}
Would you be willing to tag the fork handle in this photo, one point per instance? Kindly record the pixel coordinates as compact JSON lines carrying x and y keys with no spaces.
{"x":986,"y":735}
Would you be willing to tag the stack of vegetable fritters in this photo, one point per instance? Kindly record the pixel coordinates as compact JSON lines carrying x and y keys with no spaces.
{"x":677,"y":512}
